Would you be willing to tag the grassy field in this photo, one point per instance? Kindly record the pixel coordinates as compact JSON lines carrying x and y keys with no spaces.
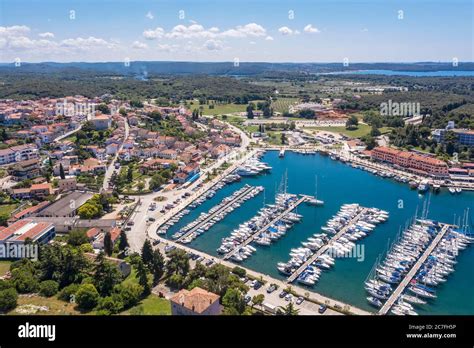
{"x":152,"y":305}
{"x":281,"y":105}
{"x":219,"y":109}
{"x":7,"y":208}
{"x":4,"y":267}
{"x":362,"y":129}
{"x":55,"y":306}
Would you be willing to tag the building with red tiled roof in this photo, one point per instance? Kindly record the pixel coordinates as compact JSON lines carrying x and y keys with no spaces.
{"x":29,"y":211}
{"x":412,"y":161}
{"x":195,"y":302}
{"x":19,"y":231}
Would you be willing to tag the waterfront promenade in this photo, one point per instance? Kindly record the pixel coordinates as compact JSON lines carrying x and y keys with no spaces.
{"x":325,"y":247}
{"x":296,"y":290}
{"x":264,"y":228}
{"x":404,"y":283}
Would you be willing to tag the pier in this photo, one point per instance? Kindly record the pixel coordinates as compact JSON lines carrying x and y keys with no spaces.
{"x":208,"y":218}
{"x":403,"y":284}
{"x":252,"y":237}
{"x":325,"y":247}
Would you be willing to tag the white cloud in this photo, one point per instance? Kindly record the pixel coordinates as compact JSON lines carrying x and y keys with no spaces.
{"x":252,"y":43}
{"x":251,"y":29}
{"x":87,"y":43}
{"x":149,"y":15}
{"x":167,"y":48}
{"x":197,"y":31}
{"x":46,"y":35}
{"x":139,"y":45}
{"x":310,"y":29}
{"x":285,"y":31}
{"x":213,"y":45}
{"x":15,"y":30}
{"x":153,"y":34}
{"x":364,"y":30}
{"x":269,"y":38}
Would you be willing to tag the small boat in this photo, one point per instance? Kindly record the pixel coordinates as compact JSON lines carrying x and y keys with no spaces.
{"x":452,"y":190}
{"x":374,"y":301}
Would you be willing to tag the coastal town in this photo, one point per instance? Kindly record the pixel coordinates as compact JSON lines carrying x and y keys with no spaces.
{"x":117,"y":175}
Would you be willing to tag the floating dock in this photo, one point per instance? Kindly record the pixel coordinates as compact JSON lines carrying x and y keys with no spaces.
{"x":211,"y":216}
{"x":404,"y":283}
{"x":264,"y":228}
{"x":325,"y":247}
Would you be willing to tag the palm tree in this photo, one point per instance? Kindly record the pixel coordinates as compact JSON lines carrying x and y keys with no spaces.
{"x":289,"y":309}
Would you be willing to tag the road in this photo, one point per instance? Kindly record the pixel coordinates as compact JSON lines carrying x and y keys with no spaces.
{"x":65,"y":135}
{"x":306,"y":308}
{"x":111,"y":168}
{"x":137,"y":235}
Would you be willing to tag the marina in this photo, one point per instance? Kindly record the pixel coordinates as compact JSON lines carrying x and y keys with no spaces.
{"x":345,"y":281}
{"x":348,"y":225}
{"x":420,"y":260}
{"x":287,"y":202}
{"x":217,"y":213}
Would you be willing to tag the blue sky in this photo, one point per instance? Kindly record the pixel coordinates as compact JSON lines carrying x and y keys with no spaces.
{"x":225,"y":30}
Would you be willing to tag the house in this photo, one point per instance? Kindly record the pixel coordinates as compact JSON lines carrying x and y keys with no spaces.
{"x":18,"y":153}
{"x":98,"y":242}
{"x":195,"y":302}
{"x":168,"y":153}
{"x":27,"y":169}
{"x":41,"y":190}
{"x":220,"y":151}
{"x":67,"y":184}
{"x":29,"y":211}
{"x":102,"y":122}
{"x":67,"y":206}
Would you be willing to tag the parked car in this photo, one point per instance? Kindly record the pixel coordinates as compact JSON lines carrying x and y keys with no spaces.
{"x":283,"y":294}
{"x":299,"y":300}
{"x":288,"y":297}
{"x":151,"y":219}
{"x":247,"y":298}
{"x":322,"y":309}
{"x":156,"y":242}
{"x":257,"y":285}
{"x":271,"y":288}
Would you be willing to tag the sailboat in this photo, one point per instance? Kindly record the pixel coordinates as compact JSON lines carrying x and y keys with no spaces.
{"x":314,"y":200}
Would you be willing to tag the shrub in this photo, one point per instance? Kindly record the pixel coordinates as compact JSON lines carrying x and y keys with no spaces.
{"x":67,"y":293}
{"x":87,"y":296}
{"x":8,"y":299}
{"x":48,"y":288}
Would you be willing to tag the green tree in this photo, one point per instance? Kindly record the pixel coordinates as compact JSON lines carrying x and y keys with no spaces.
{"x":178,"y":262}
{"x":130,"y":293}
{"x":106,"y":275}
{"x":48,"y":288}
{"x":129,"y":174}
{"x":77,"y":237}
{"x":87,"y":297}
{"x":110,"y":305}
{"x":289,"y":309}
{"x":233,"y":302}
{"x":142,"y":275}
{"x":157,"y":266}
{"x":352,"y":122}
{"x":108,"y":244}
{"x":68,"y":293}
{"x":61,"y":171}
{"x":8,"y":299}
{"x":250,"y":112}
{"x":257,"y":300}
{"x":147,"y":253}
{"x":123,"y":242}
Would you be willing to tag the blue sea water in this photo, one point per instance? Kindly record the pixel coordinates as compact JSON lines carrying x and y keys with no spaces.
{"x":405,"y":73}
{"x":338,"y":184}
